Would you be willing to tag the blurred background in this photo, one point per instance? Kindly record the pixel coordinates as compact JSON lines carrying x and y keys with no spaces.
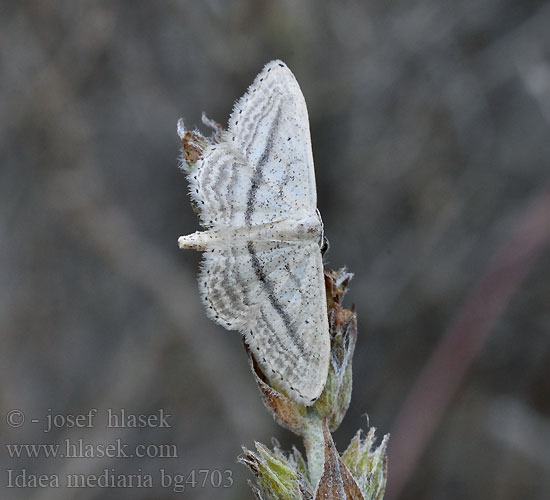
{"x":430,"y":125}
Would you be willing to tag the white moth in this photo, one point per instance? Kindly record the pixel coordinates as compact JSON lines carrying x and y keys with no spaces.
{"x":262,"y":272}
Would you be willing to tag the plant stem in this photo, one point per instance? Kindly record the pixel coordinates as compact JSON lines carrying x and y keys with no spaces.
{"x":315,"y":445}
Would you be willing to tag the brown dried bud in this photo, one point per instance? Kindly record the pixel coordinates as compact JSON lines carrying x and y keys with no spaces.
{"x":285,"y":411}
{"x":194,"y":143}
{"x":336,"y":483}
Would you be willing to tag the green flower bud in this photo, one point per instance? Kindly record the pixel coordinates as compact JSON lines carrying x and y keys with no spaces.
{"x":368,"y":464}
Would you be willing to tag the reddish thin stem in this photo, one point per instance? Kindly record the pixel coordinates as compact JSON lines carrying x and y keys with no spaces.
{"x":463,"y":339}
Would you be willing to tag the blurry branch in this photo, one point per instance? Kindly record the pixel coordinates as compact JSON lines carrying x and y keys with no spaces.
{"x":442,"y":374}
{"x":529,"y":39}
{"x":534,"y":73}
{"x":518,"y":426}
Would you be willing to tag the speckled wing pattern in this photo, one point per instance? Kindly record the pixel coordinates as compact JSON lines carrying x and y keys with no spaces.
{"x":262,"y":272}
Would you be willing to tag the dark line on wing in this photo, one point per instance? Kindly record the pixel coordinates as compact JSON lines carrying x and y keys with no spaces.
{"x":292,"y":276}
{"x":276,"y":339}
{"x":244,"y":289}
{"x":212,"y":158}
{"x":221,"y":178}
{"x":258,"y":173}
{"x":205,"y":183}
{"x":231,"y":292}
{"x":274,"y":302}
{"x":217,"y":212}
{"x":231,"y":186}
{"x":222,"y":302}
